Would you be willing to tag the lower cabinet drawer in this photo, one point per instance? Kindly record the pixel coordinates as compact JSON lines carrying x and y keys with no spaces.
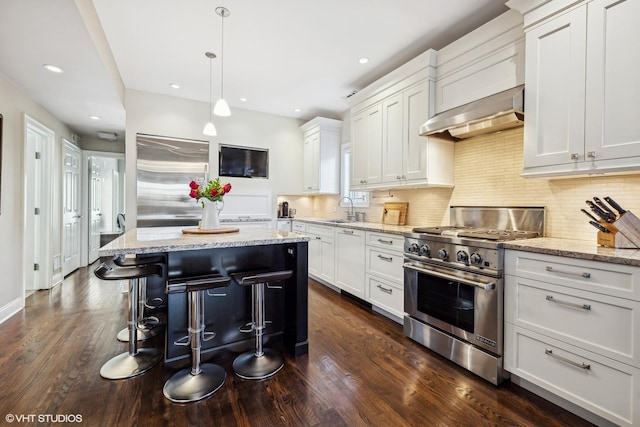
{"x":385,"y":264}
{"x":389,"y":297}
{"x":599,"y":323}
{"x":598,"y":384}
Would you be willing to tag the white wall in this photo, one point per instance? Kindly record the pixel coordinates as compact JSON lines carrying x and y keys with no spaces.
{"x":13,"y":105}
{"x":175,"y":117}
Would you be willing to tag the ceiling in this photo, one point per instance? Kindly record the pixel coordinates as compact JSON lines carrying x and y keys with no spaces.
{"x":280,"y":55}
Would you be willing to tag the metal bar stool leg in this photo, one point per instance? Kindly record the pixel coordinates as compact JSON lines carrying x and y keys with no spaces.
{"x":202,"y":379}
{"x":262,"y":362}
{"x":136,"y":361}
{"x":148,"y":327}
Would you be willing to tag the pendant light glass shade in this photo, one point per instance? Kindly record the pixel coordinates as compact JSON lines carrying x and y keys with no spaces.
{"x":222,"y":107}
{"x":209,"y":129}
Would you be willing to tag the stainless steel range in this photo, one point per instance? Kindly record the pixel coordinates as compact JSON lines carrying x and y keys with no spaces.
{"x":453,"y":279}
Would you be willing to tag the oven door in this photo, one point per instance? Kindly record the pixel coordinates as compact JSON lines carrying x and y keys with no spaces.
{"x":460,"y":303}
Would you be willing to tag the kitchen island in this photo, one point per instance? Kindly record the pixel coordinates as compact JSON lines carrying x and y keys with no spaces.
{"x":226,"y":309}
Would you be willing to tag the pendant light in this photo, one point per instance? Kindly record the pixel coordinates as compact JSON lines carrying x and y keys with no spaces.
{"x":222,"y":108}
{"x":209,"y":128}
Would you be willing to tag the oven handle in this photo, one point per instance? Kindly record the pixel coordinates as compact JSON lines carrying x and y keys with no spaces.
{"x":485,"y":286}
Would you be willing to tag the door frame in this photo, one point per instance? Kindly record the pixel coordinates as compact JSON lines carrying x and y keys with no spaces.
{"x":84,"y":206}
{"x":45,"y":218}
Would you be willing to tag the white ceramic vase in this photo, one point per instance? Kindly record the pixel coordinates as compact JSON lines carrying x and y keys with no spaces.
{"x":211,"y":215}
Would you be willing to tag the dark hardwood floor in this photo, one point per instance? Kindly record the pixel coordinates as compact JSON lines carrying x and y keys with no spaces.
{"x":360,"y":371}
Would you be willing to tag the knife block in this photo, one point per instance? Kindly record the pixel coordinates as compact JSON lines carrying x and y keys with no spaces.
{"x":629,"y":225}
{"x":624,"y":232}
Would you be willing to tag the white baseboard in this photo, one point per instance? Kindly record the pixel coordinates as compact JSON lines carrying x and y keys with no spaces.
{"x":10,"y":309}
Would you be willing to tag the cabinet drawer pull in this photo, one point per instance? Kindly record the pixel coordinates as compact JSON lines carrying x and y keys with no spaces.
{"x":385,"y":258}
{"x":574,"y":156}
{"x":583,"y":365}
{"x":318,"y":238}
{"x":347,"y":231}
{"x":591,"y":155}
{"x":385,"y":290}
{"x":585,"y":275}
{"x":570,"y":304}
{"x":386,"y":242}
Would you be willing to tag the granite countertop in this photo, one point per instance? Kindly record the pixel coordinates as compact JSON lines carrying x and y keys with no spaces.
{"x":579,"y":249}
{"x":359,"y":225}
{"x":170,"y":239}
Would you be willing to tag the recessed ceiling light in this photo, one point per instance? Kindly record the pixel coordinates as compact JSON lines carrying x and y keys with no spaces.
{"x":53,"y":68}
{"x":363,"y":60}
{"x":94,"y":117}
{"x":175,"y":86}
{"x":243,"y":99}
{"x":297,"y":110}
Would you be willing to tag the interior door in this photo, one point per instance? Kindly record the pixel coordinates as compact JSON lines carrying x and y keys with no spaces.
{"x":37,"y":266}
{"x":95,"y":207}
{"x":71,"y":209}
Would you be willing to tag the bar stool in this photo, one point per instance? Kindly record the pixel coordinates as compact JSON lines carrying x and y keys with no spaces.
{"x":262,"y":362}
{"x":148,"y":326}
{"x":135,"y":361}
{"x":202,"y":379}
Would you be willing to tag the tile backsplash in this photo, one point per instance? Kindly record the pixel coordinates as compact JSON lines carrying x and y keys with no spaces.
{"x":487,"y":173}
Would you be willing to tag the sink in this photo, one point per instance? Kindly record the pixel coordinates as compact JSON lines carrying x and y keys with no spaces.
{"x":334,"y":221}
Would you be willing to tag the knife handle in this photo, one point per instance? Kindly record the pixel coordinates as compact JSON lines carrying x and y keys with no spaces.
{"x":606,"y":208}
{"x":599,"y":227}
{"x":595,"y":209}
{"x":589,"y":215}
{"x":615,"y":206}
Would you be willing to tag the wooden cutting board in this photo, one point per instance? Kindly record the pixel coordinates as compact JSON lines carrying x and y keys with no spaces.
{"x":395,"y":213}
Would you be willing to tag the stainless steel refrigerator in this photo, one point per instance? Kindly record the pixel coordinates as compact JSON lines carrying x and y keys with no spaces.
{"x":165,"y":166}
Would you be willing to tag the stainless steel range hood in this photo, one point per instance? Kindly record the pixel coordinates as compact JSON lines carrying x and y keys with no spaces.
{"x":504,"y":110}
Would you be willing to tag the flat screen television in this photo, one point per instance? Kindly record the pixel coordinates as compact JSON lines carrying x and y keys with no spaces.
{"x":243,"y":162}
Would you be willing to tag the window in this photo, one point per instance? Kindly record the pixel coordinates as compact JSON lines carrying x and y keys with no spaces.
{"x":360,"y":198}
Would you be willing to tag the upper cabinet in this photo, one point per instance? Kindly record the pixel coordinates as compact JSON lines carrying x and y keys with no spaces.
{"x":321,"y":156}
{"x":581,"y":86}
{"x":386,"y":148}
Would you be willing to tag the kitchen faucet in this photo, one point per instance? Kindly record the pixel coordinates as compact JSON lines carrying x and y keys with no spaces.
{"x":350,"y":216}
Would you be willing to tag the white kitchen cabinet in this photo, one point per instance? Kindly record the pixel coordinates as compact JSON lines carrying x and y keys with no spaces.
{"x":299,"y":226}
{"x":366,"y":148}
{"x":248,"y":224}
{"x":385,"y":275}
{"x":321,"y":156}
{"x":350,"y":262}
{"x":407,"y":157}
{"x":321,"y":259}
{"x":582,"y":88}
{"x":571,"y":328}
{"x":387,"y":151}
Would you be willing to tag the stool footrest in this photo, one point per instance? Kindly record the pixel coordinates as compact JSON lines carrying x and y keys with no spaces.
{"x":141,"y":334}
{"x":249,"y":278}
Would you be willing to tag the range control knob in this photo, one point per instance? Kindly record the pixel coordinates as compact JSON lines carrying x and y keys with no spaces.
{"x":476,"y":258}
{"x":414,"y":248}
{"x":425,"y":250}
{"x":462,"y":256}
{"x":443,"y":254}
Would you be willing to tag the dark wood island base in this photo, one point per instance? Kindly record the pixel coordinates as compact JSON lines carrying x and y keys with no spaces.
{"x":227,"y":310}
